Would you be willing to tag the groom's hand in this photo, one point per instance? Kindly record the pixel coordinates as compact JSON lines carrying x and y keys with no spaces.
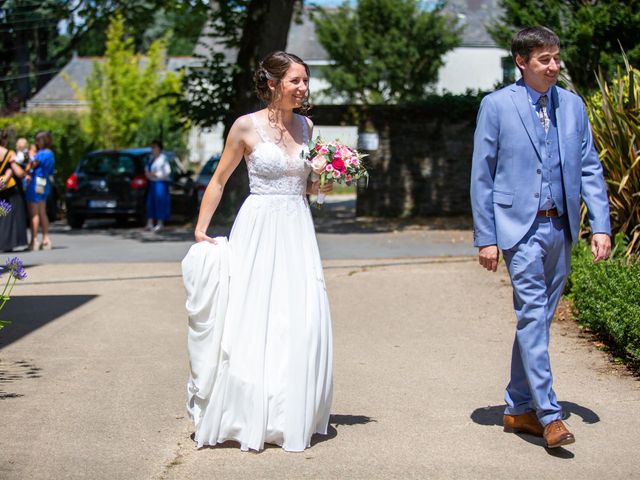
{"x":600,"y":246}
{"x":488,"y":256}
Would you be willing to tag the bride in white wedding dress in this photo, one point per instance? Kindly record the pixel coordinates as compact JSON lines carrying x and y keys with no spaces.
{"x":273,"y":378}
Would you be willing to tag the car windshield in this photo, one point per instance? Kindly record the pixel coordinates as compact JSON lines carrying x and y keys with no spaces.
{"x":209,"y":167}
{"x":109,"y":164}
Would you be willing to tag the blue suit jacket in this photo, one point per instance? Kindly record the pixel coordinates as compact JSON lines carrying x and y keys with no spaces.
{"x":505,"y":182}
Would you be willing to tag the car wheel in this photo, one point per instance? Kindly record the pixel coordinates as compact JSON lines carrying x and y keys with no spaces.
{"x":75,"y":221}
{"x":140,"y":220}
{"x":122,"y":222}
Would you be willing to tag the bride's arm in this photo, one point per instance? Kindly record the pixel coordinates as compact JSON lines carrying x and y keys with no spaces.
{"x":314,"y":187}
{"x":231,"y":156}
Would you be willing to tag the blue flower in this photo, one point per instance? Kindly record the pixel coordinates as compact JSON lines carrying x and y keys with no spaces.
{"x":15,"y":267}
{"x":5,"y":208}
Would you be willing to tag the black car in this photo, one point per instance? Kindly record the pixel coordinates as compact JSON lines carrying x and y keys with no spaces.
{"x":112,"y":184}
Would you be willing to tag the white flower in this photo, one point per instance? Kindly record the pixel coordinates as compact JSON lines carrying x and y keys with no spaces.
{"x":318,"y":163}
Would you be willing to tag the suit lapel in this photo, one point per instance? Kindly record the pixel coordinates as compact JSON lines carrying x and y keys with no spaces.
{"x":558,"y":104}
{"x":521,"y":101}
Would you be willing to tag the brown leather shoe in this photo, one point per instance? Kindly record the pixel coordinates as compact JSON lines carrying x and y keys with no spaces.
{"x":556,"y":435}
{"x":526,"y":423}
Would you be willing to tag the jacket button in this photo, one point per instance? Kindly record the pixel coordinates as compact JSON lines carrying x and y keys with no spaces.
{"x":537,"y":195}
{"x":538,"y":171}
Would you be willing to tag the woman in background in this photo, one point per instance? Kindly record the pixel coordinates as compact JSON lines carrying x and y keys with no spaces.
{"x":38,"y":187}
{"x":13,"y":226}
{"x":158,"y":200}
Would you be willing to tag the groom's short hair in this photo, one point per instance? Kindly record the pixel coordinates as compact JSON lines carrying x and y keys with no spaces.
{"x":528,"y":39}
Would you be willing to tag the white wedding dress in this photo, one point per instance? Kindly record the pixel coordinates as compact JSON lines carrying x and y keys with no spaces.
{"x":271,"y":378}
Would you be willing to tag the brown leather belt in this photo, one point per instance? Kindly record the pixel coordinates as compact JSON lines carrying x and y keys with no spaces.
{"x":552,"y":212}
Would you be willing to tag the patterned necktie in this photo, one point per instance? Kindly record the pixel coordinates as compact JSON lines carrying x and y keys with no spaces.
{"x":543,"y":115}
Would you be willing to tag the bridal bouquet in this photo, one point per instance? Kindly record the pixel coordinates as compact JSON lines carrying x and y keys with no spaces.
{"x":334,"y":162}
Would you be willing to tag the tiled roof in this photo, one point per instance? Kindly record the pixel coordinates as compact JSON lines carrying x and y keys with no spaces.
{"x":58,"y":90}
{"x":475,"y":15}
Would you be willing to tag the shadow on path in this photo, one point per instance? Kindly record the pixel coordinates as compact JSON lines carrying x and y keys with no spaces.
{"x":171,"y":233}
{"x":335,"y":421}
{"x":340,"y":217}
{"x":28,"y":313}
{"x":492,"y":416}
{"x":336,"y":216}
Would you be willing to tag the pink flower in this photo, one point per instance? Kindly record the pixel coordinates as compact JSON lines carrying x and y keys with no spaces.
{"x":336,"y":174}
{"x":348,"y":177}
{"x":345,"y":152}
{"x":329,"y":168}
{"x":323,"y":150}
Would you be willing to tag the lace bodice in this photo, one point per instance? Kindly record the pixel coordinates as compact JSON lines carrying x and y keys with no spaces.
{"x":273,"y":171}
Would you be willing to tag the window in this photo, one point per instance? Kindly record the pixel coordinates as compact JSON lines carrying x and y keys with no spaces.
{"x":108,"y":164}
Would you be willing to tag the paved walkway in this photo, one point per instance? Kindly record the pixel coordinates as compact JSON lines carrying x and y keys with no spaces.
{"x":93,"y":372}
{"x":340,"y":236}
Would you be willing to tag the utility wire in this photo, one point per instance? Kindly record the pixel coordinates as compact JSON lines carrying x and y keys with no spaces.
{"x":28,"y":75}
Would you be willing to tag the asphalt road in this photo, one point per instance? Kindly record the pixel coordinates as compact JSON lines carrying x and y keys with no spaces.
{"x":340,"y":236}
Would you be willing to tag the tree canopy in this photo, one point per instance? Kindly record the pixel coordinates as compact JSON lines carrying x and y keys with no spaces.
{"x":219,"y":90}
{"x":591,"y":33}
{"x":130,"y":96}
{"x":385,"y":50}
{"x":37,"y":38}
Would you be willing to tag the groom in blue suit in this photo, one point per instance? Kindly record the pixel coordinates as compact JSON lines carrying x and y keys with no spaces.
{"x":533,"y":159}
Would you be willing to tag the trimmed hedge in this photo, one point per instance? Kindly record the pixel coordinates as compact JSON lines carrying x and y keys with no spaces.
{"x":606,"y":299}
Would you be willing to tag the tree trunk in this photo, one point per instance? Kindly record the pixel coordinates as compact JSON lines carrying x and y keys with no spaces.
{"x":44,"y":65}
{"x":266,"y":29}
{"x":23,"y":84}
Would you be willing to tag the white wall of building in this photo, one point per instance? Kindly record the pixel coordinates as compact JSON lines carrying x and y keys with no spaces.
{"x":203,"y":143}
{"x":475,"y":68}
{"x":347,"y":135}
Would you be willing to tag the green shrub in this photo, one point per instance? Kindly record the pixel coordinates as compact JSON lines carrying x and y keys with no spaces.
{"x":606,"y":298}
{"x":614,"y":112}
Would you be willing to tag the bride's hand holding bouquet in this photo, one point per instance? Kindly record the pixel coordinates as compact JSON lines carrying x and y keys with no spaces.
{"x":333,"y":162}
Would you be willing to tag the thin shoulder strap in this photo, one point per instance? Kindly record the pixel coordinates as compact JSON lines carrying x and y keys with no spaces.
{"x":4,"y":160}
{"x":305,"y":129}
{"x":256,"y":125}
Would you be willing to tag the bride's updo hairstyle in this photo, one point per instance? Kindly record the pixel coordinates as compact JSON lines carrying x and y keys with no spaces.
{"x":274,"y":67}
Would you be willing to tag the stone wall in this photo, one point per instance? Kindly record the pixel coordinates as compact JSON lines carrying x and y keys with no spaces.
{"x":423,"y":162}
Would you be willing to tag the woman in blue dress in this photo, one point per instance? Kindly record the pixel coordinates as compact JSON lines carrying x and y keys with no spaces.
{"x":40,"y":169}
{"x":158,"y":200}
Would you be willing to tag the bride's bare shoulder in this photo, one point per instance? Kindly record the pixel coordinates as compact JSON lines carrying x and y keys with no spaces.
{"x":243,"y":124}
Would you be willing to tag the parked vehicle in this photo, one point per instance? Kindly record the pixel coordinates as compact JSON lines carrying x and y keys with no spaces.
{"x":112,"y":184}
{"x":52,"y":201}
{"x":206,"y":172}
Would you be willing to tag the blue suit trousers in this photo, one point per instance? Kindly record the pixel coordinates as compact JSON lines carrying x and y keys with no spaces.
{"x":538,"y":266}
